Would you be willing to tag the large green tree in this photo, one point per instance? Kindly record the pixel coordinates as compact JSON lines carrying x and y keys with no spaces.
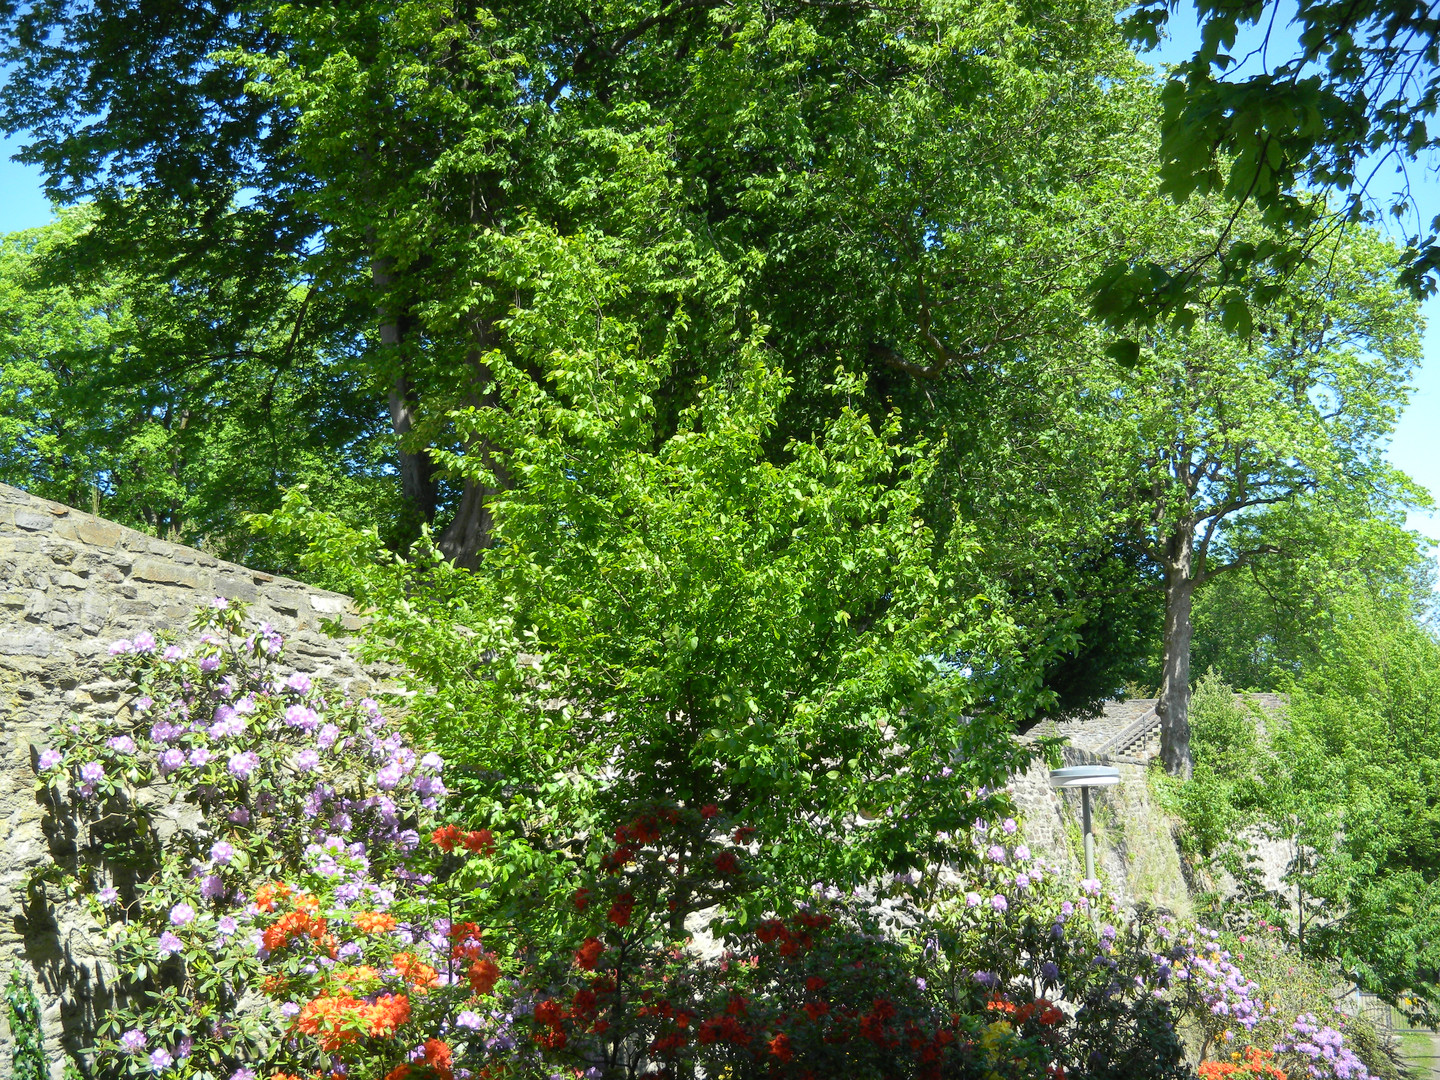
{"x":129,"y":396}
{"x":1221,"y":440}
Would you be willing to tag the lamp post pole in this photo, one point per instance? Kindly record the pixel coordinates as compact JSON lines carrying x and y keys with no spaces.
{"x":1085,"y":777}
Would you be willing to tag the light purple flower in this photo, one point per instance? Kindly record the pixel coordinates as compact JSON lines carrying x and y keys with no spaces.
{"x":468,"y":1019}
{"x":92,"y":772}
{"x":222,"y":852}
{"x":144,"y":642}
{"x":108,"y":895}
{"x":212,"y":887}
{"x":433,"y":762}
{"x":226,"y":926}
{"x":290,"y":1010}
{"x":160,"y":1059}
{"x":999,"y":903}
{"x":1008,"y":826}
{"x":302,"y":717}
{"x":133,"y":1041}
{"x":1022,"y":853}
{"x":199,"y":756}
{"x":995,"y":853}
{"x":171,"y":760}
{"x":1067,"y":909}
{"x":243,"y":1073}
{"x":140,"y":704}
{"x":326,"y":737}
{"x":389,"y":776}
{"x":972,"y":899}
{"x":242,"y":765}
{"x":298,"y":682}
{"x":169,"y":945}
{"x":307,"y":760}
{"x":163,"y":731}
{"x":173,"y":653}
{"x":239,"y":816}
{"x":1090,"y":886}
{"x":120,"y":648}
{"x":246,"y":705}
{"x":1022,"y":882}
{"x":121,"y":744}
{"x":49,"y":759}
{"x":182,"y":914}
{"x":219,"y":603}
{"x":209,"y":663}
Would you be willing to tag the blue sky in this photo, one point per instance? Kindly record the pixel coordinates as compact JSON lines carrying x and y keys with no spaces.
{"x":1415,"y":447}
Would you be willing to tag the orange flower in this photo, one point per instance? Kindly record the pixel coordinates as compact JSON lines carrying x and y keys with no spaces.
{"x":414,"y":971}
{"x":389,"y":1012}
{"x":437,"y":1056}
{"x":329,"y":1020}
{"x":484,"y":974}
{"x":374,"y":922}
{"x":446,"y":839}
{"x":588,"y":955}
{"x":267,"y":894}
{"x":780,"y":1047}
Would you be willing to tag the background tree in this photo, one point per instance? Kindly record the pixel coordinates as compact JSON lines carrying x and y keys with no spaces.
{"x":1223,"y":437}
{"x":112,"y":399}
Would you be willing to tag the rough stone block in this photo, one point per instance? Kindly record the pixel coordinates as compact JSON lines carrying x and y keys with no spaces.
{"x":166,"y":573}
{"x":99,"y":533}
{"x":34,"y":521}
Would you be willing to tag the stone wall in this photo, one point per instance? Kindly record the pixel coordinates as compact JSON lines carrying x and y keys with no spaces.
{"x":70,"y":583}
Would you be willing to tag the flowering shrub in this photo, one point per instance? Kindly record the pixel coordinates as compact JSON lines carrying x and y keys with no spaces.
{"x":222,"y":774}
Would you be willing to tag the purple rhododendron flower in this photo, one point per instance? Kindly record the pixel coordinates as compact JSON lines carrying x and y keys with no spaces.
{"x":173,"y":653}
{"x":226,"y":926}
{"x":468,"y":1019}
{"x":92,"y":772}
{"x":1022,"y":853}
{"x":108,"y":895}
{"x":222,"y":852}
{"x":302,"y":717}
{"x":433,"y":762}
{"x":326,"y":737}
{"x":120,"y":648}
{"x":199,"y":756}
{"x":163,"y":731}
{"x":1008,"y":826}
{"x":1090,"y":887}
{"x":121,"y":744}
{"x":219,"y":603}
{"x":144,"y":642}
{"x":307,"y":760}
{"x":999,"y":903}
{"x":160,"y":1060}
{"x":171,"y":760}
{"x":243,"y":764}
{"x":243,"y":1073}
{"x":995,"y":853}
{"x":972,"y":899}
{"x":299,"y":682}
{"x":389,"y":777}
{"x":212,"y":887}
{"x":182,"y":914}
{"x":209,"y":663}
{"x":169,"y":945}
{"x":49,"y":759}
{"x":133,"y":1041}
{"x":246,"y":705}
{"x":239,"y":816}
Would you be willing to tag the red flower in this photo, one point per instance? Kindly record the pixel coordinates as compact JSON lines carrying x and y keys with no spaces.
{"x":780,"y":1047}
{"x":816,"y":1009}
{"x":709,"y":810}
{"x":588,"y":955}
{"x":620,"y":910}
{"x":582,"y":898}
{"x":726,"y":863}
{"x":548,"y":1012}
{"x":484,"y":974}
{"x":814,"y":984}
{"x":446,"y":839}
{"x":1052,"y":1015}
{"x":480,"y":842}
{"x":743,"y":834}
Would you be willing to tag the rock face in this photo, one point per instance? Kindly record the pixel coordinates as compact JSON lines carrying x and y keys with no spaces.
{"x":70,"y":584}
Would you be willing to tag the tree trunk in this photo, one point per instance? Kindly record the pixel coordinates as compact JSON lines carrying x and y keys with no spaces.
{"x":417,"y":472}
{"x":1173,"y":707}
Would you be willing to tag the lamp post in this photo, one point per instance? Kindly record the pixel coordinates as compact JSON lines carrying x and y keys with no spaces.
{"x":1085,"y":777}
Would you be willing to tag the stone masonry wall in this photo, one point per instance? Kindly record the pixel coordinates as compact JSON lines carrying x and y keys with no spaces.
{"x":71,"y":583}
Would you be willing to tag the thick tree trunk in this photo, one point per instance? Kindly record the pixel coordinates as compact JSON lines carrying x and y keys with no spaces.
{"x":472,"y":530}
{"x":417,"y":472}
{"x":1174,"y":704}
